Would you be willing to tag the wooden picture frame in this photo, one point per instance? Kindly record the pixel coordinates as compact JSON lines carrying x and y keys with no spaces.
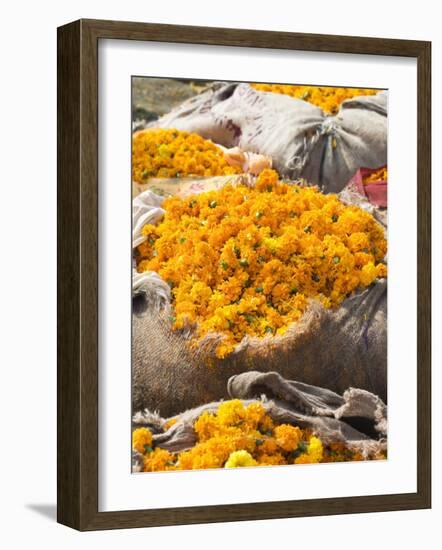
{"x":78,"y":287}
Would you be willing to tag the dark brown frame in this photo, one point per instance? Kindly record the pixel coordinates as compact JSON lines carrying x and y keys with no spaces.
{"x":77,"y":226}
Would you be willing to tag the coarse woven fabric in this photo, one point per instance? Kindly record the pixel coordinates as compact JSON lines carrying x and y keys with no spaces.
{"x":333,"y":348}
{"x":357,"y":418}
{"x":301,"y":139}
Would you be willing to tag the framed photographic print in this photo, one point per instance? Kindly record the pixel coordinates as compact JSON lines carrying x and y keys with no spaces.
{"x":243,"y":275}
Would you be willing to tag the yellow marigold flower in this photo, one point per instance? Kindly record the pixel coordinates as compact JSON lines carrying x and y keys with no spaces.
{"x":170,"y":153}
{"x":231,"y":412}
{"x":206,"y":426}
{"x":314,"y":452}
{"x":368,"y":274}
{"x":159,"y":460}
{"x":315,"y":449}
{"x":240,"y":459}
{"x":245,"y":261}
{"x":328,"y":98}
{"x":287,"y":437}
{"x":255,"y":415}
{"x":141,"y":438}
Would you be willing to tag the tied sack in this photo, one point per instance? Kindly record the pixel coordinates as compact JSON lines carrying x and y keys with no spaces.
{"x":301,"y":139}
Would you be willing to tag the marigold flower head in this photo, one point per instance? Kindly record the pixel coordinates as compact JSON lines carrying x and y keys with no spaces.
{"x":141,"y":439}
{"x":240,"y":459}
{"x":231,"y":412}
{"x":267,"y":446}
{"x":287,"y":437}
{"x":255,"y":415}
{"x":159,"y":460}
{"x":315,"y":449}
{"x":206,"y":426}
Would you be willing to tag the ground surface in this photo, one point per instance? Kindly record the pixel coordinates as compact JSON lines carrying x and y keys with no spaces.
{"x":153,"y":97}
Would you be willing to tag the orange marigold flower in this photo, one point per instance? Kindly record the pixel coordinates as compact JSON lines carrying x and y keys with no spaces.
{"x":287,"y":437}
{"x":159,"y":460}
{"x":245,"y":261}
{"x":267,"y":446}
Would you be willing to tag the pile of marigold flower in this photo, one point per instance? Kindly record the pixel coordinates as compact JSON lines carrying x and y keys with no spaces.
{"x":244,"y":261}
{"x":328,"y":98}
{"x":237,"y":436}
{"x":381,"y":174}
{"x":169,"y":153}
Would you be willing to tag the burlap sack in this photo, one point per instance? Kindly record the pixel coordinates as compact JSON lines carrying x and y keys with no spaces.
{"x":357,"y":418}
{"x":335,"y":349}
{"x":300,"y":138}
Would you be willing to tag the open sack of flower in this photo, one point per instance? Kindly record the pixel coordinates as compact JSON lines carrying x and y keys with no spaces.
{"x":267,"y":277}
{"x":268,"y":420}
{"x":302,"y":139}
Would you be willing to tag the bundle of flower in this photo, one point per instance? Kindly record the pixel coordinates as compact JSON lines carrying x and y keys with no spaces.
{"x":327,"y":98}
{"x":246,"y":262}
{"x":238,"y":435}
{"x":170,"y":153}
